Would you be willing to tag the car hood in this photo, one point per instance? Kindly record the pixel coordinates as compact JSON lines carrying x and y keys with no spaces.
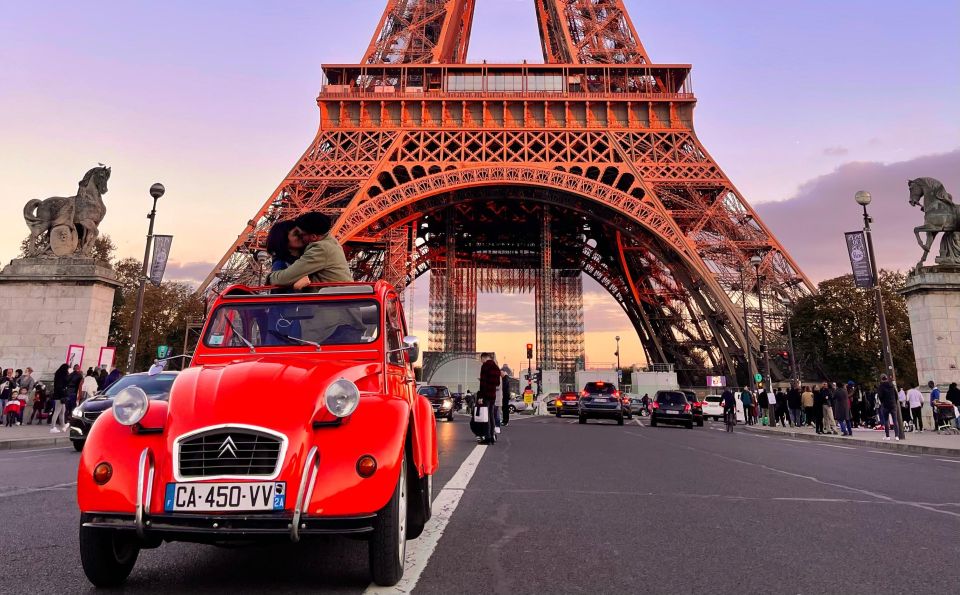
{"x":271,"y":391}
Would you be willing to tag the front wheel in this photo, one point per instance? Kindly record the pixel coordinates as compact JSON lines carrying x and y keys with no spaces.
{"x":583,"y":419}
{"x":388,"y":544}
{"x":450,"y":416}
{"x":107,"y":556}
{"x":512,"y":409}
{"x":620,"y":421}
{"x":653,"y":422}
{"x":558,"y":415}
{"x":77,"y":445}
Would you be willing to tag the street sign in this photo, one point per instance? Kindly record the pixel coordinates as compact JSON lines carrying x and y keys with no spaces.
{"x":619,"y":375}
{"x":163,"y":351}
{"x":528,"y":397}
{"x":758,"y":377}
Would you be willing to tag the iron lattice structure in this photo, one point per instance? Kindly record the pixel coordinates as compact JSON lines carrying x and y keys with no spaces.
{"x":513,"y":177}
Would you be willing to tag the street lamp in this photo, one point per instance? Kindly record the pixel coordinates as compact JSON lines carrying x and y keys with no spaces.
{"x":756,"y":260}
{"x":618,"y":360}
{"x":794,"y":372}
{"x":156,"y":191}
{"x":863,"y":199}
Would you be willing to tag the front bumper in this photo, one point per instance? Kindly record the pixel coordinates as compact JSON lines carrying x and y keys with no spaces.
{"x":670,"y":418}
{"x":601,"y":413}
{"x":79,"y":428}
{"x":229,"y":527}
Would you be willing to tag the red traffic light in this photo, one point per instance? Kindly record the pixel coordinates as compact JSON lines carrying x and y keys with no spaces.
{"x":529,"y":350}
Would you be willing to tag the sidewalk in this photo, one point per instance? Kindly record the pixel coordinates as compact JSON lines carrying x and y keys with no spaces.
{"x":31,"y":437}
{"x":929,"y":443}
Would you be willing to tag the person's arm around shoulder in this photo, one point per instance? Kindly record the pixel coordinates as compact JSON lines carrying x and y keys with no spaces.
{"x":307,"y":264}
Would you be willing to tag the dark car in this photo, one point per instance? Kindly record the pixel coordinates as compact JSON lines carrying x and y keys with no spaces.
{"x":84,"y":414}
{"x":696,"y":406}
{"x":671,"y":406}
{"x":441,"y":400}
{"x":602,"y":400}
{"x":567,"y":404}
{"x":551,"y":401}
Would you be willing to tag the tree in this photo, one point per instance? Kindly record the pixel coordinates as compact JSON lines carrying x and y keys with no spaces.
{"x":837,"y":335}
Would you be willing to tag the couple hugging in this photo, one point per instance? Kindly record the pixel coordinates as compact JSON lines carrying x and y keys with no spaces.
{"x":304,"y":251}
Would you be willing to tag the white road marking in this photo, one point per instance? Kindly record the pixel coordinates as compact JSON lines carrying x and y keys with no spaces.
{"x":419,"y":550}
{"x":22,"y":491}
{"x":637,"y":421}
{"x":793,"y":440}
{"x":949,"y":460}
{"x":16,"y":451}
{"x":835,"y":446}
{"x":895,"y":454}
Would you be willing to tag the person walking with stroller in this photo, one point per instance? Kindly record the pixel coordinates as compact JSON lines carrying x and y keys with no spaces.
{"x":487,"y":394}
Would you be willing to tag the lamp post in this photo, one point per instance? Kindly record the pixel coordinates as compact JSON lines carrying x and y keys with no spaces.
{"x":756,"y":260}
{"x":746,"y":333}
{"x":618,"y":360}
{"x":863,"y":199}
{"x":794,"y":372}
{"x":156,"y":191}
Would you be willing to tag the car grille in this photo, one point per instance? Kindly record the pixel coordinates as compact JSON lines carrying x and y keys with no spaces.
{"x":229,"y":452}
{"x":91,"y":415}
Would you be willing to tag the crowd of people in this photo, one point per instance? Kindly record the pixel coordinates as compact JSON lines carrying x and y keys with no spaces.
{"x":22,"y":395}
{"x":832,"y":408}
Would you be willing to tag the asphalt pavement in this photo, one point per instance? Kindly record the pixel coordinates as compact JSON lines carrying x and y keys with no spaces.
{"x":558,"y":507}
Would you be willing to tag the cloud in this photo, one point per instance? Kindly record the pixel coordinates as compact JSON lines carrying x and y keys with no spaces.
{"x":836,"y":151}
{"x":500,"y":321}
{"x":188,"y":272}
{"x":811,"y":224}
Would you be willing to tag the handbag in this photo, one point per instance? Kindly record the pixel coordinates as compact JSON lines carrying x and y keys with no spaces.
{"x":481,"y":414}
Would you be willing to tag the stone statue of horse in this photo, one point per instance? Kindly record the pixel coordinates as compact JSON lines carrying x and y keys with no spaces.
{"x":940,"y":215}
{"x":71,"y":222}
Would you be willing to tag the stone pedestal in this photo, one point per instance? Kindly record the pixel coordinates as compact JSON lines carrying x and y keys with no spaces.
{"x":933,"y":303}
{"x":48,"y":304}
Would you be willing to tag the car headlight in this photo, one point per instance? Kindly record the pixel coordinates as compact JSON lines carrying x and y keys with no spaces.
{"x":130,"y":405}
{"x":447,"y":403}
{"x":342,"y":397}
{"x":76,"y":412}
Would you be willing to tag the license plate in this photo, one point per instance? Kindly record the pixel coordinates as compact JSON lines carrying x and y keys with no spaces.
{"x":227,"y":497}
{"x":672,"y":412}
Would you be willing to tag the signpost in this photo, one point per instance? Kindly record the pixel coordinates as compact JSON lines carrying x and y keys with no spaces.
{"x":163,"y":351}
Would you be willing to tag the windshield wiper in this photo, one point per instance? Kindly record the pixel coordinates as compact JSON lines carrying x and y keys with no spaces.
{"x":242,"y":338}
{"x":295,"y":339}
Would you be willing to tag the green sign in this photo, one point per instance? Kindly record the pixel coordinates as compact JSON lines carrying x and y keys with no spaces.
{"x":164,"y":350}
{"x":758,"y":377}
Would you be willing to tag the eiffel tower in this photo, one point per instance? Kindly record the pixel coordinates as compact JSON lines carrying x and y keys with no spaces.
{"x":521,"y":178}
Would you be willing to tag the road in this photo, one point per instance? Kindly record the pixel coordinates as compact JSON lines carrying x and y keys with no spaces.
{"x":557,"y":507}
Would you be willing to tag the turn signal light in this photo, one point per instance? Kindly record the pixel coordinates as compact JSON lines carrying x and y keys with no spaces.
{"x":102,"y":473}
{"x":366,"y":466}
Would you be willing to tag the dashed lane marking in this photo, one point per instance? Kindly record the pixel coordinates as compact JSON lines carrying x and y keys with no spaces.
{"x":949,"y":460}
{"x":835,"y":446}
{"x":895,"y":454}
{"x":793,"y":440}
{"x":419,"y":550}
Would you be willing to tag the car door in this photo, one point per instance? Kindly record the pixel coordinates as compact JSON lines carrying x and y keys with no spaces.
{"x":399,"y":372}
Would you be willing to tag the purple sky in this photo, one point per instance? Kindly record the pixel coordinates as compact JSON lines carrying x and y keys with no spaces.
{"x":802,"y":100}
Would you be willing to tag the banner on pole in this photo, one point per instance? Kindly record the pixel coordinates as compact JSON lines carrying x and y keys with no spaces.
{"x":161,"y":251}
{"x":859,"y":259}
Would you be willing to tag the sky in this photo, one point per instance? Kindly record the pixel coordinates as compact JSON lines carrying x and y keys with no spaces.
{"x":801,"y":104}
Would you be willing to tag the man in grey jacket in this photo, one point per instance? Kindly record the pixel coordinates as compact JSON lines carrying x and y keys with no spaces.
{"x":323,"y":260}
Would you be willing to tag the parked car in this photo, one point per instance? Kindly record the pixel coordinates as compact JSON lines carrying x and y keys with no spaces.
{"x":440,"y":399}
{"x":567,"y":404}
{"x":601,"y":400}
{"x":696,"y":405}
{"x":298,"y":417}
{"x":671,"y":406}
{"x":636,"y":406}
{"x":518,"y":404}
{"x":713,"y":407}
{"x":156,"y":386}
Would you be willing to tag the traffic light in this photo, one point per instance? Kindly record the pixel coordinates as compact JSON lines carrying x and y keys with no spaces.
{"x":529,"y":350}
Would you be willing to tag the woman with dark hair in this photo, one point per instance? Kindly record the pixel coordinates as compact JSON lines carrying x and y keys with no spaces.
{"x":112,"y":377}
{"x":101,"y":379}
{"x":283,"y":244}
{"x":60,"y":378}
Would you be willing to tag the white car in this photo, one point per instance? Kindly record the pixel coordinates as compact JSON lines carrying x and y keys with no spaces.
{"x":713,"y":408}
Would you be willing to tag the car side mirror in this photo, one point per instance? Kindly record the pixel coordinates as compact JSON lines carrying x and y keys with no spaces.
{"x":412,"y":345}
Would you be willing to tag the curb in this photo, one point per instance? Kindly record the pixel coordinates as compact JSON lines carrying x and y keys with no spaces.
{"x":898,"y":446}
{"x":18,"y":443}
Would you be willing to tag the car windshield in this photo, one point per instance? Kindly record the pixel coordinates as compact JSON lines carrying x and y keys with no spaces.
{"x":152,"y":385}
{"x":600,"y":388}
{"x":671,"y":398}
{"x":329,"y":322}
{"x":430,"y":391}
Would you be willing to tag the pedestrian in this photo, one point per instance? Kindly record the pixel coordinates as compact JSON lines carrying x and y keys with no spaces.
{"x":829,"y":422}
{"x":27,"y":381}
{"x":904,"y":405}
{"x":59,"y":398}
{"x":841,"y":409}
{"x":856,"y":403}
{"x":887,"y":395}
{"x":102,"y":378}
{"x":505,"y":397}
{"x":915,"y":400}
{"x":934,"y":397}
{"x":74,"y":383}
{"x":89,"y":386}
{"x":323,"y":260}
{"x":8,"y":388}
{"x":764,"y":408}
{"x":747,"y":399}
{"x":806,"y":401}
{"x":953,"y":395}
{"x":114,"y":375}
{"x":783,"y":412}
{"x":729,"y":403}
{"x":870,"y":408}
{"x":23,"y":397}
{"x":819,"y":399}
{"x":487,"y":394}
{"x":39,"y":403}
{"x":795,"y":404}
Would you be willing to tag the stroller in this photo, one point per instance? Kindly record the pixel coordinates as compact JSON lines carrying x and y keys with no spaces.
{"x":480,"y":421}
{"x":12,"y":412}
{"x":945,"y":414}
